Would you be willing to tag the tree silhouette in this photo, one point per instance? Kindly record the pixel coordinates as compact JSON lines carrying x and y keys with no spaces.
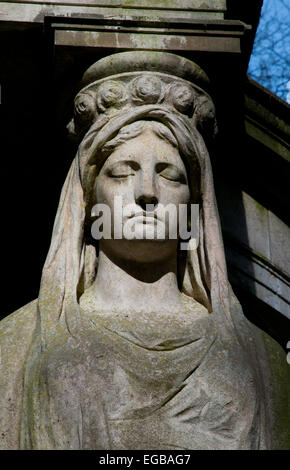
{"x":270,"y":60}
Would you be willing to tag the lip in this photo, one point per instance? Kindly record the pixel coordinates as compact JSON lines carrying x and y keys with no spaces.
{"x":144,"y":216}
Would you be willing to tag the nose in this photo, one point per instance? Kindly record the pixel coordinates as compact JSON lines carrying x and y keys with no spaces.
{"x":147,"y":202}
{"x":146,"y":194}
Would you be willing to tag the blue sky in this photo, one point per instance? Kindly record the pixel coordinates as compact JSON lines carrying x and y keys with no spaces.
{"x":270,"y":60}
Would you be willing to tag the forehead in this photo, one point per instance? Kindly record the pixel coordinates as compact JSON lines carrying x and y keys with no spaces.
{"x":146,"y":147}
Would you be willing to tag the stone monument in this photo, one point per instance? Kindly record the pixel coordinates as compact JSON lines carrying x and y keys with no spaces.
{"x":133,"y":342}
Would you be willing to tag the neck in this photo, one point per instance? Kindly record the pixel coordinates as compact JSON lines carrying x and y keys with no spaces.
{"x":123,"y":284}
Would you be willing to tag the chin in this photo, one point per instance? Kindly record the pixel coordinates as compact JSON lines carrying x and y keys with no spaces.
{"x":147,"y":232}
{"x":148,"y":251}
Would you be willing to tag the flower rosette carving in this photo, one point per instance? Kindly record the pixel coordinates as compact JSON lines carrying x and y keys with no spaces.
{"x":111,"y":94}
{"x":182,"y":97}
{"x":115,"y":96}
{"x":147,"y":90}
{"x":85,"y":107}
{"x":205,"y":117}
{"x":85,"y":114}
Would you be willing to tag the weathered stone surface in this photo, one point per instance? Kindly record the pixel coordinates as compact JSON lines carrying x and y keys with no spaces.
{"x":155,"y":42}
{"x":266,"y":119}
{"x":279,"y":234}
{"x":258,"y":247}
{"x":35,"y":11}
{"x":133,"y":343}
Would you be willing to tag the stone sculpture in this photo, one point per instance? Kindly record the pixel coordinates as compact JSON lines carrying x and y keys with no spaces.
{"x":134,"y":343}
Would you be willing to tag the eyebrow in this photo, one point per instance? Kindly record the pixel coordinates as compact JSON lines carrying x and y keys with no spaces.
{"x":181,"y":169}
{"x":124,"y":162}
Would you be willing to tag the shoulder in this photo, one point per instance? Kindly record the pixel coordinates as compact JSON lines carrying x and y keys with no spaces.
{"x":192,"y":305}
{"x":18,"y":326}
{"x":274,"y":373}
{"x":277,"y":370}
{"x":16,"y":333}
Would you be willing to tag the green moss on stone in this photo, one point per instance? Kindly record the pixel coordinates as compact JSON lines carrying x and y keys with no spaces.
{"x":280,"y":398}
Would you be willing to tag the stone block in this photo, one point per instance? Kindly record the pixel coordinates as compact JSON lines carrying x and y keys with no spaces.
{"x":35,"y":11}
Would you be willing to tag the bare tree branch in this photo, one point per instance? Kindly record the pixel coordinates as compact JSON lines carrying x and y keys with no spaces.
{"x":270,"y":64}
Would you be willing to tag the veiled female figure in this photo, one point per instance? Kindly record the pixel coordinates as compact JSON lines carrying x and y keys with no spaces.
{"x":135,"y":343}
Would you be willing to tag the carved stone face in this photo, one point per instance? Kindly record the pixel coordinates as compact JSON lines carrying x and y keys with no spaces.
{"x":145,"y":170}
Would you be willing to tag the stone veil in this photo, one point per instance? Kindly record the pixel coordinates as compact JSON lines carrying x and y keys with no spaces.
{"x":72,"y":378}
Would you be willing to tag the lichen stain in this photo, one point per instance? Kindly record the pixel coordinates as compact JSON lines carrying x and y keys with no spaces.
{"x":145,"y":41}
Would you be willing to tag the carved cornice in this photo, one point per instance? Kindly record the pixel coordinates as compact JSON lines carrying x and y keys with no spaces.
{"x":36,"y":10}
{"x":137,"y":33}
{"x":266,"y":119}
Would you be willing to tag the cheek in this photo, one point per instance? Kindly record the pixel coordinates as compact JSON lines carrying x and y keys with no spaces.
{"x":107,"y":189}
{"x":104,"y":191}
{"x":185,"y":195}
{"x":175,"y":195}
{"x":101,"y":190}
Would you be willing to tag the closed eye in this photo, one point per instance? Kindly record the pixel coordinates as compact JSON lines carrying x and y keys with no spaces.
{"x":170,"y":172}
{"x":123,"y":169}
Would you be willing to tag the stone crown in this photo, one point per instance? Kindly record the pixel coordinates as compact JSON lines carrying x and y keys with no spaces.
{"x":129,"y":79}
